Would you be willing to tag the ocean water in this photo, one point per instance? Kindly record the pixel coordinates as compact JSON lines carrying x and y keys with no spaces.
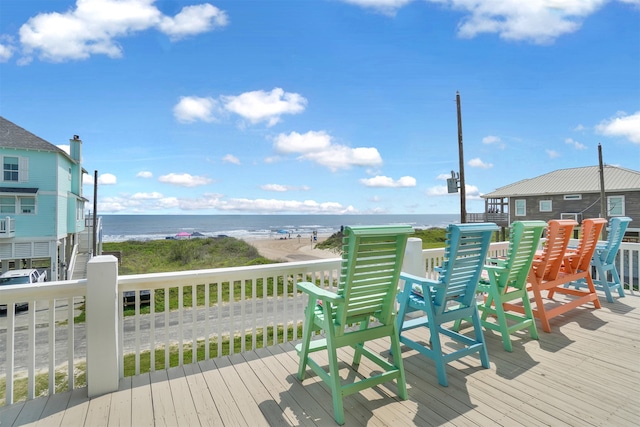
{"x":118,"y":228}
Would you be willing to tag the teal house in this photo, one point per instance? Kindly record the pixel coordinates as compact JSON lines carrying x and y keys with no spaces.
{"x":41,"y":202}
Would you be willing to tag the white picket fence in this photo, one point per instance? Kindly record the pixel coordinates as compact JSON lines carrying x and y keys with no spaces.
{"x":239,"y":302}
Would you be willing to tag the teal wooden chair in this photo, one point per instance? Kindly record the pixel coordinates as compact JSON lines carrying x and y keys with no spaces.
{"x":363,"y":309}
{"x":506,"y":282}
{"x":604,"y":258}
{"x":448,"y":299}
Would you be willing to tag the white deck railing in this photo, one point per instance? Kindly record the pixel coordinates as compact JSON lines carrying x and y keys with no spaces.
{"x":238,"y":303}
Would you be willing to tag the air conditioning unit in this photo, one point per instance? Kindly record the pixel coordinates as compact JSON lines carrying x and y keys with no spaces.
{"x":574,"y":216}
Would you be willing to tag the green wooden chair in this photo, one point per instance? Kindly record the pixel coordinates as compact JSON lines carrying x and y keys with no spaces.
{"x":448,"y":299}
{"x":363,"y":309}
{"x":506,"y":281}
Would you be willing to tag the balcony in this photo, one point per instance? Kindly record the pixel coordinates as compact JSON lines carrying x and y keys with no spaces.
{"x":585,"y":372}
{"x":7,"y":228}
{"x":499,"y":218}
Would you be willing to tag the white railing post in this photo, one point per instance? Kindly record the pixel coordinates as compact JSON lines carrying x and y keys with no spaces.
{"x":103,"y":374}
{"x":413,"y":259}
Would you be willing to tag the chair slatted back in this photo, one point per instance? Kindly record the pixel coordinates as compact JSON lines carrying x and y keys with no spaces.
{"x":591,"y":229}
{"x":524,"y":240}
{"x":618,"y":226}
{"x":558,"y":234}
{"x":371,"y":264}
{"x":465,"y":253}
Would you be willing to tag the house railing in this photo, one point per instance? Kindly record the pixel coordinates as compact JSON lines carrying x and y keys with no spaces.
{"x":499,"y":218}
{"x":7,"y":227}
{"x":208,"y":310}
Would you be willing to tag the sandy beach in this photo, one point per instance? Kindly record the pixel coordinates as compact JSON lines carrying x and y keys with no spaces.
{"x":291,"y":249}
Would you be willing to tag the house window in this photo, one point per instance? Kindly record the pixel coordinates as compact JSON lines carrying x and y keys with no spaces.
{"x":545,"y":205}
{"x":10,"y":168}
{"x":615,"y":205}
{"x":27,"y":205}
{"x":573,"y":196}
{"x":521,"y":207}
{"x":7,"y":205}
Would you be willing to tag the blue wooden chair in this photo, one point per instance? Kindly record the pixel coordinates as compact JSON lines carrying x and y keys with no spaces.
{"x":371,"y":263}
{"x":451,"y":297}
{"x":604,"y":258}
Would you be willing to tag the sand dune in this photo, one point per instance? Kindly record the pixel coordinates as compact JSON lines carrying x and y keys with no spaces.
{"x":291,"y":249}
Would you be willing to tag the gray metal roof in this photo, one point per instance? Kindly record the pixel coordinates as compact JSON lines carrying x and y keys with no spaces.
{"x":13,"y":136}
{"x":569,"y":181}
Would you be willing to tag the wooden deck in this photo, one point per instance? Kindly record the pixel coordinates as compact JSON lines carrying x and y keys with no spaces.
{"x":586,"y":372}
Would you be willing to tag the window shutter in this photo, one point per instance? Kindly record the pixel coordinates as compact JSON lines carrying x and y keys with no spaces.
{"x":23,"y":169}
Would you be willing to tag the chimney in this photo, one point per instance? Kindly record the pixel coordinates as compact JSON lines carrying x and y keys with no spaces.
{"x":75,"y":148}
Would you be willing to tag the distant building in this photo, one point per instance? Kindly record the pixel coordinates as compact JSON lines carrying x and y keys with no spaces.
{"x":567,"y":193}
{"x":41,"y":202}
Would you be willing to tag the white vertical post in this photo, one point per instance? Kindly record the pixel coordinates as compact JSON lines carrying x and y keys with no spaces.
{"x":103,"y":374}
{"x":413,"y":262}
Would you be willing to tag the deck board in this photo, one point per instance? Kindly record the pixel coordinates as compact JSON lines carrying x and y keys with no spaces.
{"x":585,"y":372}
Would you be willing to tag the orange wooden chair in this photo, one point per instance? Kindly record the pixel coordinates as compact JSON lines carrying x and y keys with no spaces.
{"x":556,"y":266}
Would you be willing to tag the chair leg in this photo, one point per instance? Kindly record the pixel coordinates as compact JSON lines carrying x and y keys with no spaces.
{"x":477,"y":330}
{"x":334,"y":383}
{"x":306,"y":340}
{"x":398,"y":363}
{"x":357,"y":355}
{"x":502,"y":324}
{"x":438,"y":358}
{"x":617,"y":281}
{"x":528,"y":312}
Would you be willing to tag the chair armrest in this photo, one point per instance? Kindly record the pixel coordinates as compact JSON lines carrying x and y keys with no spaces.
{"x":315,"y":292}
{"x":411,"y":279}
{"x":494,"y":268}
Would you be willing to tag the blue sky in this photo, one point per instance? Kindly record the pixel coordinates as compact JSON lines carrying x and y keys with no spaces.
{"x":321,"y":106}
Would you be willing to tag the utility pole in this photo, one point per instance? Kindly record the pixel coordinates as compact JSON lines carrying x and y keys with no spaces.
{"x":463,"y":196}
{"x":603,"y":195}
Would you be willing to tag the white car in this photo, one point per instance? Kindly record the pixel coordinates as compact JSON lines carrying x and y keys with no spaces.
{"x":21,"y":277}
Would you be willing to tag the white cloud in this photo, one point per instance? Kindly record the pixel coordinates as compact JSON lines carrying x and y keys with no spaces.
{"x":284,"y":206}
{"x":387,"y":182}
{"x":255,"y":107}
{"x":384,"y":6}
{"x":144,"y":174}
{"x":192,"y":108}
{"x":87,"y":179}
{"x":184,"y":180}
{"x":478,"y":163}
{"x":258,"y":106}
{"x":552,"y":153}
{"x":230,"y":158}
{"x":318,"y":147}
{"x":148,"y":196}
{"x":65,"y":147}
{"x":107,"y":179}
{"x":538,"y":21}
{"x":494,"y":140}
{"x":282,"y":188}
{"x":302,"y":143}
{"x":6,"y":50}
{"x":95,"y":26}
{"x":577,"y":145}
{"x":471,"y":192}
{"x":622,"y":126}
{"x":193,"y":20}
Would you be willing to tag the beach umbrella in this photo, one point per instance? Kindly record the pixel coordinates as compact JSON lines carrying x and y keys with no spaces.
{"x":197,"y":234}
{"x":283,"y":231}
{"x":183,"y":234}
